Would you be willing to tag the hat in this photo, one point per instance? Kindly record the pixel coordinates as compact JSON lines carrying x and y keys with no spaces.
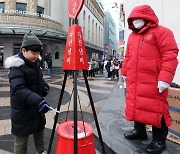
{"x":30,"y":40}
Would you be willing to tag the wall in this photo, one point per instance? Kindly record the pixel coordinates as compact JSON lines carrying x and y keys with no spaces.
{"x":59,"y":12}
{"x":168,"y":14}
{"x":53,"y":48}
{"x":41,"y":3}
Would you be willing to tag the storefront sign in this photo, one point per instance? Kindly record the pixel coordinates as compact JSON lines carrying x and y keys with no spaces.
{"x":24,"y":13}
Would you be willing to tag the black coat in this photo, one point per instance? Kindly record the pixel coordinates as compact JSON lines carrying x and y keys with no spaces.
{"x":26,"y":92}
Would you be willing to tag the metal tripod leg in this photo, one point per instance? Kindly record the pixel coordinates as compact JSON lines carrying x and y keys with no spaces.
{"x":75,"y":114}
{"x":94,"y":112}
{"x":57,"y":114}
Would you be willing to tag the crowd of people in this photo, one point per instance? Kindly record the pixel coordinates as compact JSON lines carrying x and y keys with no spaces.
{"x":110,"y":68}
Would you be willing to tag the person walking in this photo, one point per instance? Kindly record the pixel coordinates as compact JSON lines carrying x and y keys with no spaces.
{"x":109,"y":68}
{"x":27,"y":89}
{"x":46,"y":59}
{"x":116,"y":64}
{"x":149,"y":67}
{"x":49,"y":63}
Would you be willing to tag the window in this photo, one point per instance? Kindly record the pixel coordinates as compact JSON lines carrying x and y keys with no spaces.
{"x":96,"y":34}
{"x":84,"y":23}
{"x":1,"y":7}
{"x":40,"y":10}
{"x":57,"y":55}
{"x":88,"y":27}
{"x":21,"y":6}
{"x":1,"y":54}
{"x":99,"y":37}
{"x":93,"y":31}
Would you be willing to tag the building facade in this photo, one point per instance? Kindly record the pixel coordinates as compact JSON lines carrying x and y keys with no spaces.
{"x":48,"y":19}
{"x":110,"y":35}
{"x":91,"y":19}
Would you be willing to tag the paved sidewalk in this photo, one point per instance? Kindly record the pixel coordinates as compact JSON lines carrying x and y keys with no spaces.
{"x":108,"y":97}
{"x":101,"y":88}
{"x":114,"y":125}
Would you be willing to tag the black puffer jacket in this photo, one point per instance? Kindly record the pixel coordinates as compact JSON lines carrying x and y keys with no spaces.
{"x":26,"y":90}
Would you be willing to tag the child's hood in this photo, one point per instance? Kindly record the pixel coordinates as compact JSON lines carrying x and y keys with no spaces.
{"x":14,"y":61}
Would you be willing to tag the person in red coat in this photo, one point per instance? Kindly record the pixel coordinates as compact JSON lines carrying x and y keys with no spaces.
{"x":149,"y":67}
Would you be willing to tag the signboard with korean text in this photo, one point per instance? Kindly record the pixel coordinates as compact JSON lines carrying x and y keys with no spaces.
{"x":75,"y":57}
{"x":74,"y":8}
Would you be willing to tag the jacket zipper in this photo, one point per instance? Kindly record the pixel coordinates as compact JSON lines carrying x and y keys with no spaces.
{"x":142,"y":42}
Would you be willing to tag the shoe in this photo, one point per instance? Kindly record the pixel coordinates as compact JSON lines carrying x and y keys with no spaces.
{"x":134,"y":135}
{"x":155,"y":147}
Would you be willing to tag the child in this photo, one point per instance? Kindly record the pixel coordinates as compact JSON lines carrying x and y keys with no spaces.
{"x":27,"y":89}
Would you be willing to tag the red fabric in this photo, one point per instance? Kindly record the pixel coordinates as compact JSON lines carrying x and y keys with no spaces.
{"x":151,"y":56}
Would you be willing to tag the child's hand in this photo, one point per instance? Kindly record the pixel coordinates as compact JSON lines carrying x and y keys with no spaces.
{"x":43,"y":107}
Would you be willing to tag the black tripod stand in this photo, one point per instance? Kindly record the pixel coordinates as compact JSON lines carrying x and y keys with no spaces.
{"x":75,"y":112}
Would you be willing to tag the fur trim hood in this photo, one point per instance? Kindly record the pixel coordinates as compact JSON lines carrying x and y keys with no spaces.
{"x":14,"y":61}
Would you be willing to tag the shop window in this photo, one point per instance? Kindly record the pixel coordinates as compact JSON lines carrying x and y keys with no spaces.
{"x":21,"y":6}
{"x":40,"y":10}
{"x":1,"y":7}
{"x":17,"y":47}
{"x":57,"y":55}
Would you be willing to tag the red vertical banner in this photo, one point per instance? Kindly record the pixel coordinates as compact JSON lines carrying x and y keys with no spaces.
{"x":75,"y":57}
{"x":74,"y":8}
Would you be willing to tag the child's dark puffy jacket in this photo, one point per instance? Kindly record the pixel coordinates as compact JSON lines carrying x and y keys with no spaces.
{"x":26,"y":92}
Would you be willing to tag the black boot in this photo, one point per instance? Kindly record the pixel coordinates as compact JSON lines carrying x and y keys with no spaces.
{"x":156,"y":147}
{"x":134,"y":135}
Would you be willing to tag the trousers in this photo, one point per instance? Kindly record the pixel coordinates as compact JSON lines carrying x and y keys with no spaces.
{"x":158,"y":134}
{"x":20,"y":143}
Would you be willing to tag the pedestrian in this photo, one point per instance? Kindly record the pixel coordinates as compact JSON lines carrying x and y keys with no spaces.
{"x":92,"y":68}
{"x":46,"y":59}
{"x":27,"y":89}
{"x":109,"y":68}
{"x":149,"y":67}
{"x":116,"y":67}
{"x":105,"y":68}
{"x":49,"y":63}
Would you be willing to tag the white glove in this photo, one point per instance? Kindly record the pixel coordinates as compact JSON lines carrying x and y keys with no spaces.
{"x":162,"y":86}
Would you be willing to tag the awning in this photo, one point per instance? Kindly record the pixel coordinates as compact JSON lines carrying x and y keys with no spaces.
{"x":38,"y":32}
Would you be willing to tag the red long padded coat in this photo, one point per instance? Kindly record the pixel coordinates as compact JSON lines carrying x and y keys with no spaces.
{"x":151,"y":56}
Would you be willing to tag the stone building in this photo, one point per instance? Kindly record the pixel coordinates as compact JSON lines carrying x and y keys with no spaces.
{"x":110,"y":39}
{"x":48,"y":19}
